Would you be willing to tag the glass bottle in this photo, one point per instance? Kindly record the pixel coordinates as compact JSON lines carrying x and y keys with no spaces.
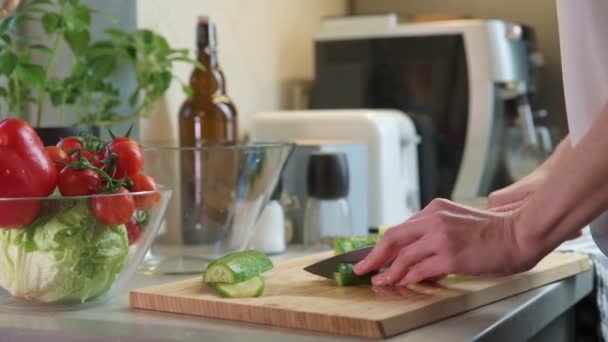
{"x":207,"y":118}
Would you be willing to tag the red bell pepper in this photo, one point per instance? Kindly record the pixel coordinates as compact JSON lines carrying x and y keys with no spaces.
{"x":26,"y":171}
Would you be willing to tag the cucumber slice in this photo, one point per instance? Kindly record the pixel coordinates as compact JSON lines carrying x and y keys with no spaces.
{"x":347,"y":244}
{"x":345,"y":276}
{"x":237,"y":267}
{"x":253,"y":287}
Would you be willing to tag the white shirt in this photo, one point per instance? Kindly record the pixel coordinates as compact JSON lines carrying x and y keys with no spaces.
{"x":583,"y":30}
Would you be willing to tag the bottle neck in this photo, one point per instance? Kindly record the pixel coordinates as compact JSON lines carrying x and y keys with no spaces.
{"x":207,"y":57}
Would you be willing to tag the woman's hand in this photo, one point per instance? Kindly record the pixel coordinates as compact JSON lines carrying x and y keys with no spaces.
{"x":447,"y":238}
{"x":513,"y":196}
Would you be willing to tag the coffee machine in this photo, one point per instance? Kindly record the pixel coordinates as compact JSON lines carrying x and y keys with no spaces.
{"x":466,"y":84}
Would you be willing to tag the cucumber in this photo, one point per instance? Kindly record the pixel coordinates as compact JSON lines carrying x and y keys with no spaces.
{"x":383,"y":229}
{"x":347,"y":244}
{"x":237,"y":267}
{"x":345,"y":276}
{"x":253,"y":287}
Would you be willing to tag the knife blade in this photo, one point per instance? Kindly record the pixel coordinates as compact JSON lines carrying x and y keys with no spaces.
{"x":326,"y":268}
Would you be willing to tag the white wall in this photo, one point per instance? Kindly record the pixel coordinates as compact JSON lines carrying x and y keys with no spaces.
{"x":263,"y":45}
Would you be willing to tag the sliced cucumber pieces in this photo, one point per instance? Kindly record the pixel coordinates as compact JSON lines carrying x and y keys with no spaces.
{"x":347,"y":244}
{"x":345,"y":276}
{"x":253,"y":287}
{"x":237,"y":267}
{"x":238,"y":275}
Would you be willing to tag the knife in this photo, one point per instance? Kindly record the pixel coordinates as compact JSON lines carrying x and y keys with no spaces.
{"x":326,"y":268}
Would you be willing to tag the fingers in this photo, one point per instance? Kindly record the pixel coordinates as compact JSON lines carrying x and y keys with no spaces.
{"x":394,"y":239}
{"x":430,"y":267}
{"x":576,"y":235}
{"x":409,"y":256}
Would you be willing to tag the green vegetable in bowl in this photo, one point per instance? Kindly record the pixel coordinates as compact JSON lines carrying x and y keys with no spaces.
{"x":66,"y":256}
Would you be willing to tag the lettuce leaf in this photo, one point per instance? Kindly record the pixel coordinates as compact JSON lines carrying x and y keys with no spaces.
{"x":65,"y":256}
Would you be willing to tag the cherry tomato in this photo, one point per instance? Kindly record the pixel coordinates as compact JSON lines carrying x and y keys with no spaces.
{"x":143,"y":182}
{"x":18,"y":213}
{"x":78,"y":182}
{"x":95,"y":159}
{"x":130,"y":157}
{"x":114,"y":209}
{"x":69,"y":144}
{"x":58,"y":156}
{"x":134,"y":230}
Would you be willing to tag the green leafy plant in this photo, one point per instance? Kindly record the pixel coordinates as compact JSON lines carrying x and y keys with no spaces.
{"x":87,"y":91}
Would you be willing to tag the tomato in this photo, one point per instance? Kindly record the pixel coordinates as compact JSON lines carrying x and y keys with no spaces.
{"x":78,"y":182}
{"x":114,"y":209}
{"x":95,"y":159}
{"x":69,"y":144}
{"x":18,"y":213}
{"x":143,"y":182}
{"x":134,"y":230}
{"x":58,"y":156}
{"x":26,"y":170}
{"x":130,"y":157}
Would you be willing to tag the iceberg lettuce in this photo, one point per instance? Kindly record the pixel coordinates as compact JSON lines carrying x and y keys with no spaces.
{"x":65,"y":256}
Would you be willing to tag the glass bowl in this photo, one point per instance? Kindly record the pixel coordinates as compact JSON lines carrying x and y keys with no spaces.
{"x":220,"y":192}
{"x":72,"y":254}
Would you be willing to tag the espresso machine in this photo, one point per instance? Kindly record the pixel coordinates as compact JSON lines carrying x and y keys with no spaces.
{"x":466,"y":84}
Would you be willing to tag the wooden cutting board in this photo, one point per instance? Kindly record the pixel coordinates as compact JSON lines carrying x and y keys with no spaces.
{"x":296,"y":299}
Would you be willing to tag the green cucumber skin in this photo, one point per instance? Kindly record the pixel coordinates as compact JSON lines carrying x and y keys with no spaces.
{"x":251,"y":288}
{"x":241,"y":266}
{"x":347,"y":244}
{"x":345,"y":276}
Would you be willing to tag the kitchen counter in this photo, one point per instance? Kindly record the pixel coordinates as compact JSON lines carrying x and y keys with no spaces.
{"x":515,"y":319}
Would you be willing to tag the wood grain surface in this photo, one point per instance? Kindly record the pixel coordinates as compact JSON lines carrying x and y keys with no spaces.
{"x":294,"y":298}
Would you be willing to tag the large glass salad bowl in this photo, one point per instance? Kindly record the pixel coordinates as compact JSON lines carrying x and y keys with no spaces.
{"x":68,"y":257}
{"x":220,"y":192}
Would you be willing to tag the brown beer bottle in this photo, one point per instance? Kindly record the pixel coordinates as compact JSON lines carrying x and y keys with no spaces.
{"x":209,"y":117}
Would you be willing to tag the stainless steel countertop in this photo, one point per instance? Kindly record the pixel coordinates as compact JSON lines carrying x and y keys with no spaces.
{"x":514,"y":318}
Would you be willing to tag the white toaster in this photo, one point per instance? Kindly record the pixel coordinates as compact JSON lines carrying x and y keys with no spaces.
{"x":390,"y":135}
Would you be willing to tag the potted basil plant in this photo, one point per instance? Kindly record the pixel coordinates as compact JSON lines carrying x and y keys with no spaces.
{"x":86,"y":96}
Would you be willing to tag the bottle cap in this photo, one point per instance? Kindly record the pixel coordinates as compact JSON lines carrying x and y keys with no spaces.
{"x":327,"y":176}
{"x":206,"y":33}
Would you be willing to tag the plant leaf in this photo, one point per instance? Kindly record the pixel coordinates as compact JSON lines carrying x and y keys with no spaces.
{"x":32,"y":75}
{"x":3,"y":92}
{"x":163,"y":82}
{"x":118,"y":35}
{"x":41,"y":48}
{"x":80,"y":18}
{"x":134,"y":97}
{"x":187,"y":90}
{"x":56,"y":97}
{"x":11,"y":22}
{"x":24,"y":56}
{"x":78,"y":41}
{"x":51,"y":22}
{"x":161,"y":45}
{"x":196,"y":63}
{"x":103,"y":67}
{"x":6,"y":38}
